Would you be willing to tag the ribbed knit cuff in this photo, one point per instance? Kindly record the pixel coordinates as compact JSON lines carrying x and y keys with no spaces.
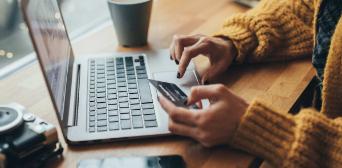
{"x":243,"y":39}
{"x":265,"y":133}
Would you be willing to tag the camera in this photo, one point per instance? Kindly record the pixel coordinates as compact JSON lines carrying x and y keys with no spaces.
{"x":25,"y":139}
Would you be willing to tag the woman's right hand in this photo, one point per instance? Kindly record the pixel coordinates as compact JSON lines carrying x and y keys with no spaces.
{"x":220,"y":51}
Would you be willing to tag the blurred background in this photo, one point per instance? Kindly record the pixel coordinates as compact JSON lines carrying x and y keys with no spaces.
{"x":16,"y":50}
{"x":81,"y":16}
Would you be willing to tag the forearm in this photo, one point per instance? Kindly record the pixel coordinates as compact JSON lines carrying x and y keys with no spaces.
{"x":308,"y":139}
{"x":275,"y":30}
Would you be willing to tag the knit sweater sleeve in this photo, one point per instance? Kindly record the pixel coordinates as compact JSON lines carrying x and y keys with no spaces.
{"x":274,"y":30}
{"x":308,"y":139}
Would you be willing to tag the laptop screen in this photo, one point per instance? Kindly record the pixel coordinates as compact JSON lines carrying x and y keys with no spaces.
{"x":52,"y":46}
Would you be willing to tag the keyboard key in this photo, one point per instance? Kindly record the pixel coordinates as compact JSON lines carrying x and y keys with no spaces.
{"x":91,"y":123}
{"x":123,"y":99}
{"x":149,"y":124}
{"x":134,"y":101}
{"x":92,"y":90}
{"x":111,"y":91}
{"x":110,"y":72}
{"x":112,"y":96}
{"x":112,"y":102}
{"x":101,"y":100}
{"x":101,"y":105}
{"x":135,"y":107}
{"x":147,"y":106}
{"x":122,"y":89}
{"x":144,"y":89}
{"x":114,"y":126}
{"x":92,"y":118}
{"x":111,"y":77}
{"x":111,"y":86}
{"x":101,"y":111}
{"x":101,"y":117}
{"x":137,"y":122}
{"x":125,"y":124}
{"x":130,"y":76}
{"x":92,"y":86}
{"x":92,"y":99}
{"x":113,"y":112}
{"x":93,"y":108}
{"x":121,"y":71}
{"x":124,"y":116}
{"x":111,"y":81}
{"x":121,"y":80}
{"x":123,"y":94}
{"x":140,"y":68}
{"x":131,"y":81}
{"x":101,"y":123}
{"x":91,"y":113}
{"x":122,"y":75}
{"x":124,"y":110}
{"x":91,"y":94}
{"x":91,"y":104}
{"x":118,"y":67}
{"x":135,"y":112}
{"x":100,"y":90}
{"x":102,"y":129}
{"x":113,"y":118}
{"x":131,"y":72}
{"x":148,"y":111}
{"x":133,"y":96}
{"x":130,"y":91}
{"x":142,"y":76}
{"x":143,"y":71}
{"x":112,"y":107}
{"x":91,"y":129}
{"x":101,"y":85}
{"x":100,"y":95}
{"x":121,"y":85}
{"x":103,"y":80}
{"x":150,"y":117}
{"x":124,"y":105}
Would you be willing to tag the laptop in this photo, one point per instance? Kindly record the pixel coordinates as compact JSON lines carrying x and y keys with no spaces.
{"x":102,"y":97}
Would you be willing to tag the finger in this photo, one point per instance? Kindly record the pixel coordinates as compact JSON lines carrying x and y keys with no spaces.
{"x":178,"y":114}
{"x":181,"y":129}
{"x":189,"y":53}
{"x":183,"y":41}
{"x":203,"y":92}
{"x":172,"y":50}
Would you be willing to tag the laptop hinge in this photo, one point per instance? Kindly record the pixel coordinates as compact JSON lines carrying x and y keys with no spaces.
{"x":74,"y":120}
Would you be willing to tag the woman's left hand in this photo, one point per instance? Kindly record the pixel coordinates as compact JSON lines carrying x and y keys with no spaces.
{"x":213,"y":125}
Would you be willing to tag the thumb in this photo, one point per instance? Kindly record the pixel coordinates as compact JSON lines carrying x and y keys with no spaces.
{"x":201,"y":92}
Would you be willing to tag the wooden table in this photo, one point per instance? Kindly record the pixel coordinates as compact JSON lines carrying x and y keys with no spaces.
{"x":280,"y":83}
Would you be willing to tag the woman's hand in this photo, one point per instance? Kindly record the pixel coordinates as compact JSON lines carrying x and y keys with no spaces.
{"x":221,"y":52}
{"x":211,"y":126}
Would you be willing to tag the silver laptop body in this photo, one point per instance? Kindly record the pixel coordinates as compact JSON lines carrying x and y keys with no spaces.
{"x":99,"y":98}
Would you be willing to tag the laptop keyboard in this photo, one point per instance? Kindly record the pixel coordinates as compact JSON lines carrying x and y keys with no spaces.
{"x":119,"y":95}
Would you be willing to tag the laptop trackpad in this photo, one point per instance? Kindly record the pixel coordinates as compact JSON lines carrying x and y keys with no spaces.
{"x":189,"y":79}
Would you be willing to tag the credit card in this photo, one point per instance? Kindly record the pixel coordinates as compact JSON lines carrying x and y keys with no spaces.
{"x":172,"y":92}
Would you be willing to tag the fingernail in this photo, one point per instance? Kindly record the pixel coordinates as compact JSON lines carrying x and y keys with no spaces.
{"x":171,"y":57}
{"x":177,"y":62}
{"x":206,"y":82}
{"x":178,"y":75}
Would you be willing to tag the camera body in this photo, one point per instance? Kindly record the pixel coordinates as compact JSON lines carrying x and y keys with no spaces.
{"x":25,"y":139}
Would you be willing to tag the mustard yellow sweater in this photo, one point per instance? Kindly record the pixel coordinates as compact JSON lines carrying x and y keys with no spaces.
{"x":283,"y":30}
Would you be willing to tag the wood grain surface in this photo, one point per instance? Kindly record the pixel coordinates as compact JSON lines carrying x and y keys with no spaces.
{"x":280,"y":83}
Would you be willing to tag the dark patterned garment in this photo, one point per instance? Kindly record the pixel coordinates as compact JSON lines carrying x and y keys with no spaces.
{"x":328,"y":17}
